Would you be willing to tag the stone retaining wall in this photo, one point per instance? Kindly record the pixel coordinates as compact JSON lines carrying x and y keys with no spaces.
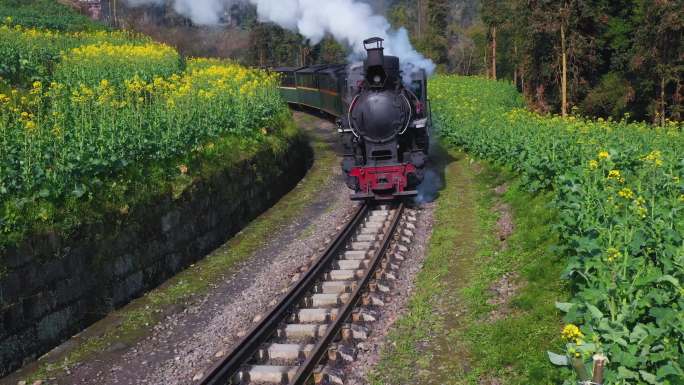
{"x":56,"y":287}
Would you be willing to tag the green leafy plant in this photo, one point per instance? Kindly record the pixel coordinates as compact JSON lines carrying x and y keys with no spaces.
{"x":48,"y":14}
{"x":31,"y":54}
{"x":619,"y":191}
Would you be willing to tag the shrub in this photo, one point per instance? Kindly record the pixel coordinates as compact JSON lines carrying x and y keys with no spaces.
{"x":48,"y":14}
{"x":610,"y":99}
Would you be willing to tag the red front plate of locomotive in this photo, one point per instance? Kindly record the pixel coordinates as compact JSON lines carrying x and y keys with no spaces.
{"x":383,"y":182}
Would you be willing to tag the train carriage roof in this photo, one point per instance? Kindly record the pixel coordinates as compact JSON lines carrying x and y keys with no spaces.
{"x":312,"y":69}
{"x":334,"y":69}
{"x":286,"y":69}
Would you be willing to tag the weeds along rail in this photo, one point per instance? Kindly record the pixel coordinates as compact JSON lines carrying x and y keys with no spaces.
{"x":309,"y":334}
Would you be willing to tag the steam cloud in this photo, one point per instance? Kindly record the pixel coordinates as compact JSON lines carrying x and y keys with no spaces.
{"x":348,"y":21}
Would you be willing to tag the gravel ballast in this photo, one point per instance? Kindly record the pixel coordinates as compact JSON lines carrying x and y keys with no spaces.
{"x":193,"y":335}
{"x":187,"y":342}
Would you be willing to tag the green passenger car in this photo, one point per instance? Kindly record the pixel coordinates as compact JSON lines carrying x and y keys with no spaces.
{"x":320,"y":87}
{"x":307,"y":87}
{"x":288,"y":85}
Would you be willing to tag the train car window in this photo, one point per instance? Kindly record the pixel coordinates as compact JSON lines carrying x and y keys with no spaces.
{"x":326,"y":82}
{"x":307,"y":81}
{"x":287,"y":79}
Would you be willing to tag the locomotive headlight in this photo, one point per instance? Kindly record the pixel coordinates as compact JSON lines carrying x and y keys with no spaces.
{"x":377,"y":79}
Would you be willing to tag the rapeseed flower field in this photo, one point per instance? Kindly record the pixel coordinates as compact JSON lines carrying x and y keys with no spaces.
{"x":80,"y":110}
{"x":29,"y":54}
{"x":619,"y":191}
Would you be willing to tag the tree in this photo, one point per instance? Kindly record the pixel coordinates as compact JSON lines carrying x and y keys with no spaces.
{"x":659,"y":53}
{"x":564,"y":10}
{"x":494,"y":14}
{"x":332,"y":51}
{"x":435,"y":40}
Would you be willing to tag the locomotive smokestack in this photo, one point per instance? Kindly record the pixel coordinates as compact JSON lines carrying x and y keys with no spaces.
{"x":376,"y":52}
{"x":375,"y":63}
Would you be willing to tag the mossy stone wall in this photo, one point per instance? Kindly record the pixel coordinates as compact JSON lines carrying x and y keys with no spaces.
{"x":54,"y":287}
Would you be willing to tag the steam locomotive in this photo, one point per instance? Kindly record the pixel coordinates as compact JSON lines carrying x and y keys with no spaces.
{"x":382,"y":115}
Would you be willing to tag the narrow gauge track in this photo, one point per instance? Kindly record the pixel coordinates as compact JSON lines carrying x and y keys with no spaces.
{"x":311,"y":328}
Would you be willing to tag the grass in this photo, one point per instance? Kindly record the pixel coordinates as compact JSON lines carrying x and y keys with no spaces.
{"x":135,"y":320}
{"x":46,"y":14}
{"x":514,"y":347}
{"x":448,"y":335}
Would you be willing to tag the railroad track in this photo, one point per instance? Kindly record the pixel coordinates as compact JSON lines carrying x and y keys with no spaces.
{"x":310,"y":333}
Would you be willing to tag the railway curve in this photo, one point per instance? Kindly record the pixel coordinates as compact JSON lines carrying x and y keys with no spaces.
{"x":308,"y":335}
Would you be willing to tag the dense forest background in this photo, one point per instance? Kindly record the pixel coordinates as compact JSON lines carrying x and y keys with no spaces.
{"x":606,"y":58}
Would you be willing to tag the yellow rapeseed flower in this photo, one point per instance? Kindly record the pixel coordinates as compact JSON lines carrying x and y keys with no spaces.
{"x":122,"y":51}
{"x":654,"y":157}
{"x":603,"y":155}
{"x":613,"y":254}
{"x":571,"y":332}
{"x":626,"y":193}
{"x":614,"y":174}
{"x":641,"y":211}
{"x":30,"y":125}
{"x":593,"y":164}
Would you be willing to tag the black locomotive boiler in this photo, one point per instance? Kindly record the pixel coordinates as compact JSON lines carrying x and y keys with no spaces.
{"x":383,"y":116}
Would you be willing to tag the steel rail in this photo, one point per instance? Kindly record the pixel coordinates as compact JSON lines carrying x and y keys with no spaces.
{"x":307,"y":368}
{"x":222,"y":372}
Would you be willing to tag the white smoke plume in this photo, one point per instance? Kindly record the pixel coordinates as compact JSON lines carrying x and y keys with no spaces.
{"x":350,"y":22}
